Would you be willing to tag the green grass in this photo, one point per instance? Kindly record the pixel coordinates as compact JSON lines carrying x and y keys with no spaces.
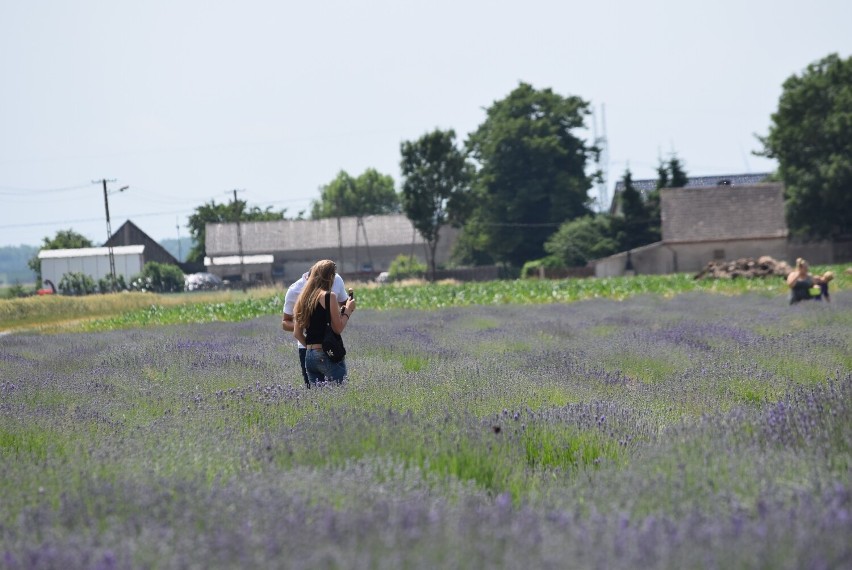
{"x":128,"y":310}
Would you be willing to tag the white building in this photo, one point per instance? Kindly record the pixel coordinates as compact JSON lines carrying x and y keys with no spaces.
{"x":91,"y":261}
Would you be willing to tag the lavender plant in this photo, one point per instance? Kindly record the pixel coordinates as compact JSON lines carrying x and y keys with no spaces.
{"x":698,"y":431}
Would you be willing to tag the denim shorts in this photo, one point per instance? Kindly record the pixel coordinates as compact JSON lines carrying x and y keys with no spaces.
{"x":321,"y":369}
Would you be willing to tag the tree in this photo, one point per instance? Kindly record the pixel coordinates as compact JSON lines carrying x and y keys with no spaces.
{"x":64,"y":239}
{"x":212,"y":213}
{"x":370,"y":194}
{"x":811,"y":137}
{"x":670,"y":174}
{"x":634,"y":228}
{"x":436,"y":180}
{"x":532,"y":173}
{"x":406,"y":267}
{"x":158,"y":278}
{"x":578,"y":241}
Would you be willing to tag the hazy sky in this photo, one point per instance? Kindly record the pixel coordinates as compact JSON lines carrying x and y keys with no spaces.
{"x":186,"y":100}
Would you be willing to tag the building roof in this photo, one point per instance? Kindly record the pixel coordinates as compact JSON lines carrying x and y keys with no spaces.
{"x":130,"y":234}
{"x":644,"y":187}
{"x":304,"y":235}
{"x":692,"y":214}
{"x":91,"y":251}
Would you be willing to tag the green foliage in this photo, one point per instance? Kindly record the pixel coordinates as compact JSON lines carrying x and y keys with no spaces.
{"x":532,"y":174}
{"x":107,"y":284}
{"x":578,"y":241}
{"x":158,"y":278}
{"x":14,"y":291}
{"x":670,"y":174}
{"x":213,"y":213}
{"x":406,"y":267}
{"x":369,"y":194}
{"x":531,"y":268}
{"x":134,"y":309}
{"x":75,"y":283}
{"x":156,"y":314}
{"x":436,"y":178}
{"x":634,"y":228}
{"x":811,"y":137}
{"x":64,"y":239}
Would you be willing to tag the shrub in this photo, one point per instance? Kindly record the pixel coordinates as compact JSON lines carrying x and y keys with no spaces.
{"x":406,"y":267}
{"x":108,"y":284}
{"x":158,"y":278}
{"x":75,"y":283}
{"x":531,"y":268}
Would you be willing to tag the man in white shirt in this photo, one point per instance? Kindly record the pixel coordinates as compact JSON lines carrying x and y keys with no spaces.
{"x":287,"y":322}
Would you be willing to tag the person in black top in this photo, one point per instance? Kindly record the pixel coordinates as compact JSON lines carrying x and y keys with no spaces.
{"x":311,"y":315}
{"x":804,"y":286}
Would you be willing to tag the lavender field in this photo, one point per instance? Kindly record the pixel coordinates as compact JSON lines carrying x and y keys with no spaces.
{"x":701,"y":431}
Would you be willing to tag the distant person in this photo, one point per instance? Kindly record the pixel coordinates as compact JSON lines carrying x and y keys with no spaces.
{"x":287,"y":322}
{"x":804,"y":286}
{"x":317,"y":306}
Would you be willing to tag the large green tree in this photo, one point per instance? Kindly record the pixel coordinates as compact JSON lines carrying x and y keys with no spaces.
{"x":811,"y":137}
{"x":64,"y":239}
{"x":436,"y":178}
{"x":369,"y":194}
{"x":531,"y":173}
{"x":211,"y":213}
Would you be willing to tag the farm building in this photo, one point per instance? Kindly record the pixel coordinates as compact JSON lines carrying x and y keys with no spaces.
{"x":648,"y":185}
{"x":130,"y":234}
{"x":91,"y":261}
{"x":282,"y":250}
{"x":704,"y":223}
{"x":132,"y":249}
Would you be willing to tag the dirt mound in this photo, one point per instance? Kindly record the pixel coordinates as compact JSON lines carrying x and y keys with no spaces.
{"x":745,"y":267}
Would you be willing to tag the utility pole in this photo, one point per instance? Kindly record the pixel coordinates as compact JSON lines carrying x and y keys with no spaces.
{"x":602,"y":159}
{"x":109,"y":228}
{"x":339,"y":235}
{"x":177,"y":227}
{"x":240,"y":243}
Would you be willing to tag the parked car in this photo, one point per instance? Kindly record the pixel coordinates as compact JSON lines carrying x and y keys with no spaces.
{"x":203,"y":282}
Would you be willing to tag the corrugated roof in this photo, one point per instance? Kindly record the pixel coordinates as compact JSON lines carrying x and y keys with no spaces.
{"x":305,"y":235}
{"x":646,"y":186}
{"x":700,"y":181}
{"x":90,"y":251}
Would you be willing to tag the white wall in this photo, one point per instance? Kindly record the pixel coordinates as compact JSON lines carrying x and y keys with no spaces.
{"x":95,"y":266}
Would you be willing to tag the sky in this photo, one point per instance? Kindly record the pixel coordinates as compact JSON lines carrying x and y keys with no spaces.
{"x":185,"y":101}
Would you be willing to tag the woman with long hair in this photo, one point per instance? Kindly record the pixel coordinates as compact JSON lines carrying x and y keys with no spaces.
{"x":314,"y":309}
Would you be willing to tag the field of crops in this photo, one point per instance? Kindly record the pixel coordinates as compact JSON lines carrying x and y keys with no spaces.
{"x":664,"y":431}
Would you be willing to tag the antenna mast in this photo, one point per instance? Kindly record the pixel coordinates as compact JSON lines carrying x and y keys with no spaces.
{"x":602,"y":160}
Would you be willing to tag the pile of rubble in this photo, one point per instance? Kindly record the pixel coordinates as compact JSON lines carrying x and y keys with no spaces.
{"x":746,"y":267}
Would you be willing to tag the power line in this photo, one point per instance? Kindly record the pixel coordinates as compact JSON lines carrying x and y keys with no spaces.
{"x":17,"y":191}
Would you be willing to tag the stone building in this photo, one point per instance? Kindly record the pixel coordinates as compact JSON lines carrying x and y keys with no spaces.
{"x":700,"y":224}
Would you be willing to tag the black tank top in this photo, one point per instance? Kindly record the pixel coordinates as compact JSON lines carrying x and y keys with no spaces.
{"x":319,"y":318}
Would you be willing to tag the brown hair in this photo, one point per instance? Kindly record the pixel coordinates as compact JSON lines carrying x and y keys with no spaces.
{"x":800,"y":263}
{"x":320,"y":280}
